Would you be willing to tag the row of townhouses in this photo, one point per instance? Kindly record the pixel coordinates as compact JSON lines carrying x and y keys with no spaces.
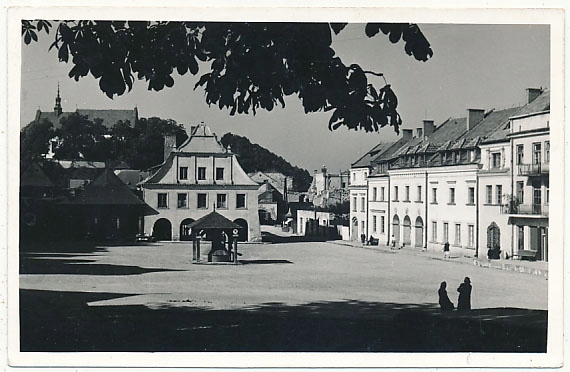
{"x":480,"y":183}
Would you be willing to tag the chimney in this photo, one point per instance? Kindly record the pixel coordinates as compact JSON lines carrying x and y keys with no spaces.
{"x":429,"y":127}
{"x":169,"y":145}
{"x":533,"y":93}
{"x":407,"y":134}
{"x":474,"y":116}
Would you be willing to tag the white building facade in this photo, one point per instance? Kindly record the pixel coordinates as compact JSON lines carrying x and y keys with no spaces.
{"x":195,"y":179}
{"x":479,"y":183}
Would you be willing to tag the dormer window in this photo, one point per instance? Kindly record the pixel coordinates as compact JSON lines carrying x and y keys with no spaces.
{"x":496,"y":160}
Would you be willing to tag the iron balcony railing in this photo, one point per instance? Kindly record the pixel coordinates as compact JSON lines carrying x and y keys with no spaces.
{"x":531,"y":209}
{"x":534,"y":169}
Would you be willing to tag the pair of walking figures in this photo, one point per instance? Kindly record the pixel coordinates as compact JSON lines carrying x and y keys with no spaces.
{"x":464,"y":300}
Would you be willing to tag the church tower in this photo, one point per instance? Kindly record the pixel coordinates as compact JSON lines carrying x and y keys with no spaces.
{"x":57,"y":109}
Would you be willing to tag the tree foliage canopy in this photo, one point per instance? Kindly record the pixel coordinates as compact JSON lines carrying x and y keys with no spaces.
{"x":140,"y":145}
{"x":252,"y":66}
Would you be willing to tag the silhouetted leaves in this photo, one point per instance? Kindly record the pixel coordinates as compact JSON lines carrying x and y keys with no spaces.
{"x":250,"y":66}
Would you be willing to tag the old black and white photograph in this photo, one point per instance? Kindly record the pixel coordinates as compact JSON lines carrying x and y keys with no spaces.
{"x":375,"y":183}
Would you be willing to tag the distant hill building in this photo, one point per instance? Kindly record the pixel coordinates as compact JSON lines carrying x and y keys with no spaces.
{"x":196,"y":178}
{"x":107,"y":117}
{"x":329,"y":188}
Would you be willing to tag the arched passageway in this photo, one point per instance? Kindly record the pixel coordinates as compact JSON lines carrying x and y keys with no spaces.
{"x":419,"y":226}
{"x":243,"y":232}
{"x":396,"y":229}
{"x":185,"y":233}
{"x":162,"y":229}
{"x":407,"y":224}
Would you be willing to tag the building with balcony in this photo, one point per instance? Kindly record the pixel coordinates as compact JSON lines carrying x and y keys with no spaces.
{"x":195,"y":179}
{"x":452,"y":183}
{"x":530,"y":197}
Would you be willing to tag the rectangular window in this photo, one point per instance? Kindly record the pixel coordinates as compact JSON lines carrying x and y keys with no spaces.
{"x":457,"y":234}
{"x":407,"y":193}
{"x":353,"y":177}
{"x":395,"y":193}
{"x":382,"y":196}
{"x":374,"y":221}
{"x":496,"y":160}
{"x":471,"y":195}
{"x":354,"y":204}
{"x":489,"y":194}
{"x":521,"y":238}
{"x":362,"y":204}
{"x":452,"y":195}
{"x":162,"y":200}
{"x":536,"y":199}
{"x":240,"y":201}
{"x":183,"y":173}
{"x":536,"y":153}
{"x":374,"y":193}
{"x":202,"y":201}
{"x":434,"y":231}
{"x":201,"y":173}
{"x":219,"y":174}
{"x":499,"y":189}
{"x":520,"y":192}
{"x":520,"y":154}
{"x":471,"y":242}
{"x":445,"y":232}
{"x":363,"y":227}
{"x":182,"y":200}
{"x":434,"y":195}
{"x":221,"y":201}
{"x":382,"y":224}
{"x":419,"y":194}
{"x":547,"y":196}
{"x":547,"y":152}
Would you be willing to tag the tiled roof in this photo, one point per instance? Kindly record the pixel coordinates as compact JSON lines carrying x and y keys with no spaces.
{"x":366,"y":159}
{"x":389,"y":152}
{"x":495,"y":125}
{"x":107,"y":189}
{"x":109,"y":117}
{"x":202,"y":140}
{"x":541,"y":103}
{"x":450,"y":129}
{"x":35,"y":176}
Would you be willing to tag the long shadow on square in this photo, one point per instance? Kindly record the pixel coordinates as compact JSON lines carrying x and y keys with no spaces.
{"x":63,"y":321}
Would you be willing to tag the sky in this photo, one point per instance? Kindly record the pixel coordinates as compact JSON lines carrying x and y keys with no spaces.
{"x":473,"y":66}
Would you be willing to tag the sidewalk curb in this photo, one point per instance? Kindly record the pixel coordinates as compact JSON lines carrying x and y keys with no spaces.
{"x":495,"y":264}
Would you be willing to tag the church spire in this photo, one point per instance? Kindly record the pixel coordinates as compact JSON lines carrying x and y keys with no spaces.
{"x":57,"y":109}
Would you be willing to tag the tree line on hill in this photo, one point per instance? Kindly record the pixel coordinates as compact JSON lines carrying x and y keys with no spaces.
{"x":139,"y":144}
{"x":253,"y":158}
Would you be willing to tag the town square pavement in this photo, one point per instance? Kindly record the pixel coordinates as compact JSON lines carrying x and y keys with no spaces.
{"x":304,"y":296}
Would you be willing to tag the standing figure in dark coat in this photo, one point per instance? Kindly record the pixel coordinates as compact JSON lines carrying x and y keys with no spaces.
{"x":464,"y":301}
{"x":444,"y":301}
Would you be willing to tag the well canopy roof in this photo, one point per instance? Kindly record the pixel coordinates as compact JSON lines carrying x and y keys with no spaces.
{"x":214,"y":220}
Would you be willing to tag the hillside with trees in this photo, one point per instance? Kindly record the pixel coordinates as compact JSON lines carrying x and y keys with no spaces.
{"x":139,"y":145}
{"x":253,"y":157}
